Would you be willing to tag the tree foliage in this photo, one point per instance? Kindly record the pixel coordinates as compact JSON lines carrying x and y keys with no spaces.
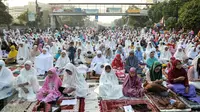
{"x":23,"y":18}
{"x":120,"y":22}
{"x":5,"y":17}
{"x":138,"y":21}
{"x":189,"y":15}
{"x":177,"y":13}
{"x":171,"y":22}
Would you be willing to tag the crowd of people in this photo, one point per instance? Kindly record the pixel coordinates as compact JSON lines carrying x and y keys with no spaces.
{"x":58,"y":55}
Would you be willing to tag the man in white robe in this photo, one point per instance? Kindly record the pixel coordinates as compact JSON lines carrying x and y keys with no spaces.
{"x":43,"y":62}
{"x":97,"y":63}
{"x":26,"y":83}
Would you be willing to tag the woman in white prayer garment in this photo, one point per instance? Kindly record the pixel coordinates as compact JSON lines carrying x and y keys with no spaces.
{"x":108,"y":54}
{"x":127,"y":43}
{"x":109,"y":85}
{"x":149,"y":48}
{"x":179,"y":54}
{"x":26,"y":83}
{"x":23,"y":54}
{"x":6,"y":81}
{"x":73,"y":83}
{"x":89,"y":47}
{"x":192,"y":53}
{"x":79,"y":58}
{"x":53,"y":49}
{"x":43,"y":62}
{"x":34,"y":52}
{"x":62,"y":60}
{"x":97,"y":63}
{"x":165,"y":55}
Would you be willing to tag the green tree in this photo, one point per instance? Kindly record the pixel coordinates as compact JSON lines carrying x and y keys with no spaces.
{"x":189,"y":15}
{"x":155,"y":12}
{"x":138,"y":21}
{"x":5,"y":17}
{"x":171,"y":22}
{"x":23,"y":18}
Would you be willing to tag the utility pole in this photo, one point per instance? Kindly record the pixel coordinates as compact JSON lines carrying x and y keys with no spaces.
{"x":37,"y":10}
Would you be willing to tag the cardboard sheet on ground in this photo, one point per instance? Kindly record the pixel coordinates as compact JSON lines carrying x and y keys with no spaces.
{"x":69,"y":102}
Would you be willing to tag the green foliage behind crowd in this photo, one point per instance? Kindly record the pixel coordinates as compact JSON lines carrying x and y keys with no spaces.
{"x":5,"y":17}
{"x":177,"y":14}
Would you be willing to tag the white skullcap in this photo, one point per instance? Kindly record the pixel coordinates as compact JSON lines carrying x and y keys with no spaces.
{"x":99,"y":52}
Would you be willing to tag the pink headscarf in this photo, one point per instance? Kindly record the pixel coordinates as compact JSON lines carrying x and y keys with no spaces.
{"x":56,"y":83}
{"x":130,"y":82}
{"x":40,"y":47}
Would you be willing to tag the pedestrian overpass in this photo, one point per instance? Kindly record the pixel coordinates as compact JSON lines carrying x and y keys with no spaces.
{"x":96,"y":9}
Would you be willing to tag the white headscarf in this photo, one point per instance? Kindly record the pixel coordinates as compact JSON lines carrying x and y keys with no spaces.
{"x":23,"y":52}
{"x":166,"y":54}
{"x":62,"y":61}
{"x":179,"y":55}
{"x":29,"y":76}
{"x":76,"y":81}
{"x":6,"y":79}
{"x":192,"y":54}
{"x":108,"y":78}
{"x":149,"y":48}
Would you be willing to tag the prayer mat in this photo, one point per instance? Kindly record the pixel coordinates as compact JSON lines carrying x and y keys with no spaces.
{"x":79,"y":107}
{"x":189,"y":103}
{"x":47,"y":108}
{"x":114,"y":105}
{"x":156,"y":100}
{"x":15,"y":106}
{"x":95,"y":78}
{"x":121,"y":75}
{"x":16,"y":70}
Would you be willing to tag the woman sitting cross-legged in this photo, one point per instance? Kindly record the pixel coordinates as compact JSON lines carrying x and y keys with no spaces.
{"x":155,"y":80}
{"x":179,"y":83}
{"x":109,"y":85}
{"x":26,"y":83}
{"x":132,"y":86}
{"x":194,"y":74}
{"x":49,"y":91}
{"x":117,"y":63}
{"x":74,"y":83}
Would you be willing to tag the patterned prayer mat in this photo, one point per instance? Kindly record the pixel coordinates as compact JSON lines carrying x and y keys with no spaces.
{"x":16,"y":70}
{"x":158,"y":102}
{"x":79,"y":107}
{"x":137,"y":105}
{"x":189,"y":103}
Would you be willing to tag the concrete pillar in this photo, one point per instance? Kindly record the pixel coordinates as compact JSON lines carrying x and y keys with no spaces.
{"x":53,"y":23}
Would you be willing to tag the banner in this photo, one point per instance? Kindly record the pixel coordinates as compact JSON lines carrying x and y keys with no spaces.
{"x":57,"y":9}
{"x":91,"y":11}
{"x":114,"y":10}
{"x":137,"y":11}
{"x":77,"y":10}
{"x":31,"y":16}
{"x":144,"y":12}
{"x":96,"y":17}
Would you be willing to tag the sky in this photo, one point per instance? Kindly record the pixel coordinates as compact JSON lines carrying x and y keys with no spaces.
{"x":104,"y":19}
